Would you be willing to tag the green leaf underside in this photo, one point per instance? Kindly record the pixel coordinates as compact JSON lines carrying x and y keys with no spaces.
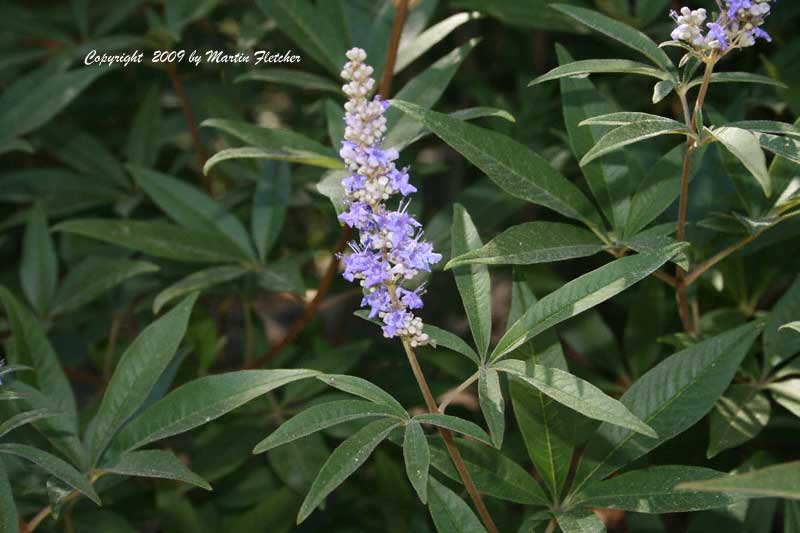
{"x":136,"y":375}
{"x":322,"y":416}
{"x":180,"y":410}
{"x":473,"y":281}
{"x":417,"y":458}
{"x":532,"y":243}
{"x":575,"y":393}
{"x":600,"y":66}
{"x":54,"y":466}
{"x":490,"y":398}
{"x":580,"y":522}
{"x":628,"y":134}
{"x":346,"y":459}
{"x":670,"y":398}
{"x":154,"y":464}
{"x":459,"y":425}
{"x":652,"y":490}
{"x":511,"y":165}
{"x":779,"y":481}
{"x":450,"y":341}
{"x":581,"y":294}
{"x":450,"y":512}
{"x":745,"y":146}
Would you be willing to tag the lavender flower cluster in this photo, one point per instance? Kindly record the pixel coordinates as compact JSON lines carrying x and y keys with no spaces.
{"x":390,"y":248}
{"x":738,"y":25}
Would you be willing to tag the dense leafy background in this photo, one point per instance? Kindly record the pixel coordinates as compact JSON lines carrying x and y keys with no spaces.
{"x":109,"y":225}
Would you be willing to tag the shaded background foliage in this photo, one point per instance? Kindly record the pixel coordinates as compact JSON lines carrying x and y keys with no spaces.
{"x":85,"y":143}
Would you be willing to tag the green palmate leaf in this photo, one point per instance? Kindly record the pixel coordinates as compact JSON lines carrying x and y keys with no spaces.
{"x":270,"y":202}
{"x":787,"y":394}
{"x":136,"y":375}
{"x":182,"y":409}
{"x":345,"y":460}
{"x":633,"y":133}
{"x":622,"y":118}
{"x":737,"y":77}
{"x":780,"y":344}
{"x":767,"y":126}
{"x":600,"y":66}
{"x":575,"y":393}
{"x":779,"y":481}
{"x":54,"y":466}
{"x":282,"y":145}
{"x":786,"y":146}
{"x":745,"y":146}
{"x":33,"y":100}
{"x":670,"y":398}
{"x":621,"y":33}
{"x":607,"y":179}
{"x":156,"y":238}
{"x":94,"y":277}
{"x":451,"y":513}
{"x":490,"y":398}
{"x":417,"y":458}
{"x":412,"y":49}
{"x":144,"y":136}
{"x":739,"y":416}
{"x":581,"y":294}
{"x":656,"y":238}
{"x":364,"y":389}
{"x":473,"y":281}
{"x":291,"y":77}
{"x":660,"y":188}
{"x":38,"y":267}
{"x":154,"y":464}
{"x":31,"y":347}
{"x":9,"y":519}
{"x":459,"y":425}
{"x":322,"y":416}
{"x":580,"y":522}
{"x":493,"y":473}
{"x":193,"y":209}
{"x":652,"y":490}
{"x":27,"y":417}
{"x":199,"y":281}
{"x":306,"y":25}
{"x":531,"y":243}
{"x":512,"y":166}
{"x":424,"y":90}
{"x":450,"y":341}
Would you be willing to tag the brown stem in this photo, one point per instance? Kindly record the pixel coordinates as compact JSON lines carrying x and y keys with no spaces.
{"x":449,"y":442}
{"x":327,"y":279}
{"x":680,"y":278}
{"x":188,"y":115}
{"x":703,"y":268}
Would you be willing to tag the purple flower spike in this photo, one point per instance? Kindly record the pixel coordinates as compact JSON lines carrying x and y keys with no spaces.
{"x":390,"y":248}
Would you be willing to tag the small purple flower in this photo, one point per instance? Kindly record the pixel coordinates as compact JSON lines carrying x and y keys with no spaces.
{"x":378,"y":301}
{"x":758,"y":33}
{"x":717,"y":33}
{"x":394,"y":321}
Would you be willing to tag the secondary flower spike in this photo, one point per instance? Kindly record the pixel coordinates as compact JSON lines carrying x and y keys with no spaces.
{"x":738,"y":25}
{"x":390,"y":247}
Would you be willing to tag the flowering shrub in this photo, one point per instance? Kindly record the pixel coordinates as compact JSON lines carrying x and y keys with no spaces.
{"x":612,"y":328}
